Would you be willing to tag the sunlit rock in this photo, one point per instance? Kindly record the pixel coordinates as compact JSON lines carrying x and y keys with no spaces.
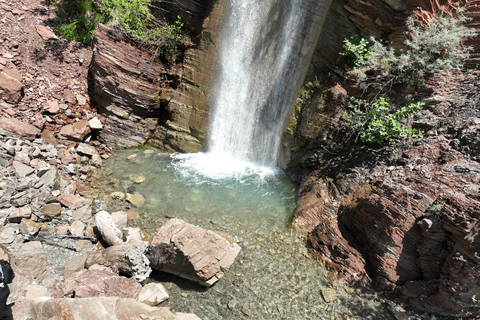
{"x":191,"y":252}
{"x":129,"y":259}
{"x":107,"y":228}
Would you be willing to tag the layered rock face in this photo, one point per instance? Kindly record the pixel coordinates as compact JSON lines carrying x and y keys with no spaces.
{"x":144,"y":100}
{"x":185,"y":127}
{"x":409,"y":217}
{"x":127,"y":88}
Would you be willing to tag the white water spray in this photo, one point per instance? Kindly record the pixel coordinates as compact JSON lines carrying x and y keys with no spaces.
{"x":266,"y":48}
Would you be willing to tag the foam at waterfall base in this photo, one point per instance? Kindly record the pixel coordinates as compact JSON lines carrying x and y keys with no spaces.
{"x":217,"y":166}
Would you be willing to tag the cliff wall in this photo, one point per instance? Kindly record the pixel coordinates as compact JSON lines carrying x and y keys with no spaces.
{"x":404,"y":220}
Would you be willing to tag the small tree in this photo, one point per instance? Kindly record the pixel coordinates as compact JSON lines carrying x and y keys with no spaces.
{"x":429,"y":49}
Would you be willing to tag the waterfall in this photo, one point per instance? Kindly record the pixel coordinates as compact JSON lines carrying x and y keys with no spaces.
{"x":265,"y":51}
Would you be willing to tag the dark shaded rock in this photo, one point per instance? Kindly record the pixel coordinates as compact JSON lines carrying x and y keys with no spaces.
{"x":191,"y":12}
{"x":185,"y":128}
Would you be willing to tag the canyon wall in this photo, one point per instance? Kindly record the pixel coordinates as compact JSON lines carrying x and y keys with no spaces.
{"x":405,"y":220}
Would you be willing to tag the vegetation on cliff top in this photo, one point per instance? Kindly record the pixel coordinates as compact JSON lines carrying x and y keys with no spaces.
{"x":78,"y":19}
{"x":429,"y":49}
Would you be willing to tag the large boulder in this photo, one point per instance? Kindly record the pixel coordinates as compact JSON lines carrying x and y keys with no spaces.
{"x":191,"y":252}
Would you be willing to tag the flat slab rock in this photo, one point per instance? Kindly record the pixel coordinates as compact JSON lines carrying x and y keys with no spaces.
{"x":191,"y":252}
{"x":95,"y":308}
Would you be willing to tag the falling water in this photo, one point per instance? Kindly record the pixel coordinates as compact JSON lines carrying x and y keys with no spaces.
{"x":266,"y":48}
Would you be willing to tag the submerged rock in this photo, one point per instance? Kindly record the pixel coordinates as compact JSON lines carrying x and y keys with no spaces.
{"x":191,"y":252}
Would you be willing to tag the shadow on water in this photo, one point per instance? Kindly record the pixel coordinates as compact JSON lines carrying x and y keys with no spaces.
{"x":182,"y":284}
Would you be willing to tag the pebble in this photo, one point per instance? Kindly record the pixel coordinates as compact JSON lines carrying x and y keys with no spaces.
{"x":329,"y":295}
{"x":7,"y":235}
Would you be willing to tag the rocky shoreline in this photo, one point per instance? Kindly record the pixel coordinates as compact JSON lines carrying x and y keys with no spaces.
{"x":50,"y":236}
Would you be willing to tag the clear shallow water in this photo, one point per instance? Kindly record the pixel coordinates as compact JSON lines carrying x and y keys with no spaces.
{"x":273,"y":277}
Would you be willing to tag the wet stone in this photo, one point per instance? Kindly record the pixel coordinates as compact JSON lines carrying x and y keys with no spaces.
{"x":136,"y":200}
{"x":137,"y":178}
{"x":329,"y":295}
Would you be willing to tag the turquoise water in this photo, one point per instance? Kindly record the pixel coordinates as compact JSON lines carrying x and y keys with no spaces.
{"x":273,"y":277}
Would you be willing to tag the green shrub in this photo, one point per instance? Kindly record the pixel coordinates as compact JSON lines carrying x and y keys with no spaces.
{"x":379,"y":122}
{"x":429,"y":49}
{"x":355,"y":50}
{"x":78,"y":19}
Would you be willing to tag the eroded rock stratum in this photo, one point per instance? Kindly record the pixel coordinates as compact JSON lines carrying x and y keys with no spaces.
{"x":405,"y":219}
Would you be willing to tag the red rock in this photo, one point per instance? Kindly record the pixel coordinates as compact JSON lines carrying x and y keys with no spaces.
{"x":52,"y":107}
{"x":49,"y":137}
{"x":76,"y":132}
{"x":65,"y":156}
{"x":45,"y":33}
{"x":101,"y":281}
{"x":417,"y":227}
{"x":10,"y":112}
{"x":316,"y":201}
{"x":18,"y":128}
{"x":69,"y":97}
{"x":39,"y":121}
{"x":82,"y":188}
{"x":34,"y":163}
{"x":11,"y":89}
{"x":13,"y":72}
{"x":69,"y":200}
{"x":191,"y":252}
